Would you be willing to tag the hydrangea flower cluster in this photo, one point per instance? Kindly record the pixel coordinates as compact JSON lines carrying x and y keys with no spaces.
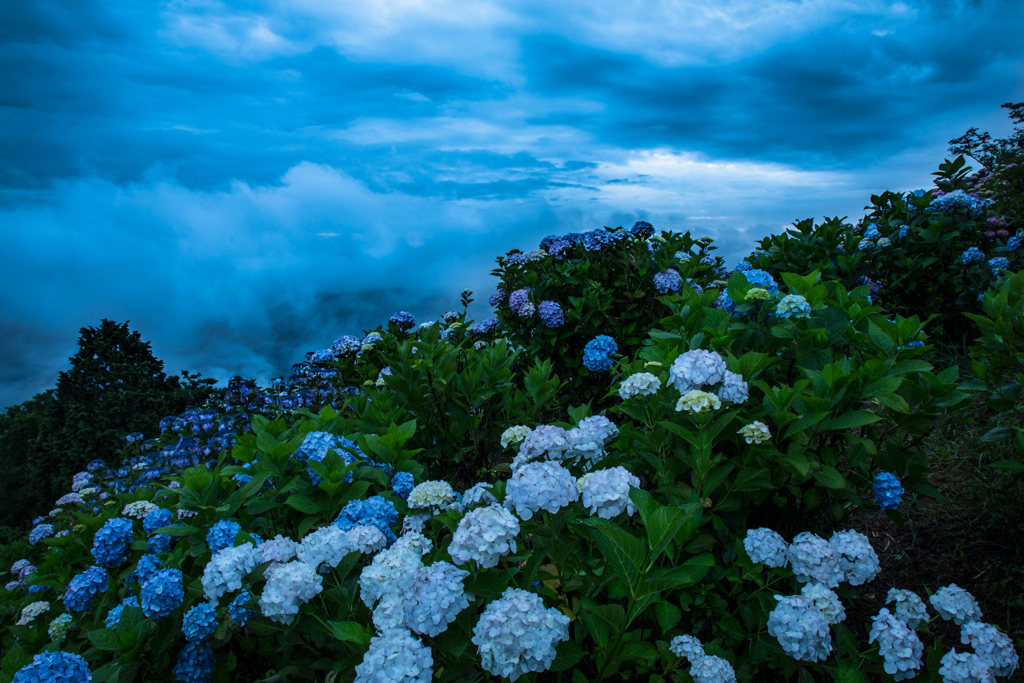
{"x":992,"y":646}
{"x":375,"y":511}
{"x":793,"y":306}
{"x":486,"y":326}
{"x":697,"y":368}
{"x":402,"y":484}
{"x":812,"y":558}
{"x":227,"y":568}
{"x":516,"y":634}
{"x":958,"y":199}
{"x":496,"y":297}
{"x":157,"y":519}
{"x":668,"y":282}
{"x":999,"y":263}
{"x":858,"y":561}
{"x":39,"y":532}
{"x":200,"y":622}
{"x":346,"y":345}
{"x":83,"y":588}
{"x":733,"y":389}
{"x":431,"y":494}
{"x":325,"y":548}
{"x":290,"y":586}
{"x":55,"y":667}
{"x":597,"y":354}
{"x":396,"y":656}
{"x":114,"y":615}
{"x":543,"y":440}
{"x":760,"y":278}
{"x":551,"y":314}
{"x":606,"y":492}
{"x":695,"y":400}
{"x":639,"y":384}
{"x":910,"y":609}
{"x":953,"y":602}
{"x":755,"y":433}
{"x":144,"y":569}
{"x":111,"y":543}
{"x":195,"y":664}
{"x":478,"y":494}
{"x":898,"y":644}
{"x":237,"y":610}
{"x":540,"y":486}
{"x":403,"y":319}
{"x":484,"y":534}
{"x":589,"y":437}
{"x":435,"y":597}
{"x":964,"y":667}
{"x":31,"y":611}
{"x":973,"y":255}
{"x":59,"y":627}
{"x":801,"y":628}
{"x":642,"y":230}
{"x":596,"y":240}
{"x":514,"y":435}
{"x":703,"y":668}
{"x":162,"y":593}
{"x":767,"y":547}
{"x":826,"y":600}
{"x":222,"y":535}
{"x":757,"y":294}
{"x":888,"y":491}
{"x":139,"y":509}
{"x":519,"y":302}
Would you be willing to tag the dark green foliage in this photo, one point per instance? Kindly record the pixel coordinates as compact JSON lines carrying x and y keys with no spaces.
{"x":998,"y":152}
{"x":115,"y":386}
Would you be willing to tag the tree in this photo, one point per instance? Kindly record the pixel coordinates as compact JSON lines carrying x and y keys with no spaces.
{"x":115,"y":386}
{"x":991,"y":153}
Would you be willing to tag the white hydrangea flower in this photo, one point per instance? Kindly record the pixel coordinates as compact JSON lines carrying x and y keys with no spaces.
{"x":826,"y":600}
{"x":325,"y":548}
{"x":484,"y":535}
{"x":389,"y":612}
{"x":857,"y":559}
{"x":733,"y":388}
{"x":800,"y":628}
{"x":278,"y":549}
{"x":990,"y":644}
{"x":540,"y":486}
{"x":396,"y":656}
{"x":516,"y":634}
{"x":813,"y":559}
{"x":910,"y":609}
{"x":694,"y":401}
{"x":366,"y":539}
{"x":291,"y":586}
{"x":755,"y":432}
{"x":478,"y":494}
{"x":767,"y":547}
{"x":964,"y":667}
{"x":139,"y":509}
{"x":639,"y":384}
{"x":695,"y":369}
{"x":588,"y":439}
{"x":389,"y":573}
{"x":544,"y":440}
{"x":31,"y":611}
{"x":514,"y":436}
{"x":606,"y":492}
{"x":953,"y":602}
{"x":415,"y":542}
{"x":415,"y":523}
{"x":431,"y":494}
{"x":435,"y":597}
{"x":898,"y":644}
{"x":226,"y":569}
{"x":687,"y":647}
{"x":712,"y":669}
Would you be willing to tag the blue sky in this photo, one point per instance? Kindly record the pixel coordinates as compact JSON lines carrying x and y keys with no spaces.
{"x":247,"y":181}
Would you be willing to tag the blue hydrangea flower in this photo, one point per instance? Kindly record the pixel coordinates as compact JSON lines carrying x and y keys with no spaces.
{"x":998,"y":263}
{"x":866,"y":245}
{"x":37,"y":588}
{"x":147,"y":565}
{"x":114,"y":615}
{"x":195,"y":664}
{"x":374,"y":511}
{"x":222,"y":535}
{"x":958,"y":199}
{"x":668,"y":282}
{"x":403,"y":319}
{"x":596,"y":240}
{"x":200,"y":622}
{"x":55,"y":667}
{"x":39,"y":532}
{"x":642,"y":230}
{"x":551,"y":314}
{"x":903,"y":231}
{"x":239,"y":614}
{"x":83,"y":588}
{"x":597,"y":354}
{"x":759,"y":278}
{"x":110,"y":545}
{"x":1014,"y":242}
{"x":485,"y":326}
{"x":162,"y":593}
{"x":973,"y":255}
{"x":158,"y":543}
{"x":496,"y":297}
{"x":888,"y":491}
{"x":742,"y":267}
{"x":402,"y":484}
{"x":793,"y":305}
{"x":871,"y":232}
{"x":725,"y":303}
{"x":981,"y":297}
{"x":157,"y":519}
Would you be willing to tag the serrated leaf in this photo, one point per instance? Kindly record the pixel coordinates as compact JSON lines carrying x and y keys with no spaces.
{"x":350,"y":632}
{"x":624,"y":552}
{"x":177,"y":530}
{"x":852,"y":420}
{"x":105,"y":639}
{"x":567,"y":654}
{"x":830,"y":477}
{"x":303,"y":504}
{"x":253,"y":485}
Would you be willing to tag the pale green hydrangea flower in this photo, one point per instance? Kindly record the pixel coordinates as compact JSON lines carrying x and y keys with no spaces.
{"x":513,"y":436}
{"x":755,"y":432}
{"x":696,"y":400}
{"x":757,"y":294}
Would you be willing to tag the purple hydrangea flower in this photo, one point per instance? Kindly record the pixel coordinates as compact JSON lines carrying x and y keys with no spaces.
{"x":668,"y":282}
{"x":551,"y":314}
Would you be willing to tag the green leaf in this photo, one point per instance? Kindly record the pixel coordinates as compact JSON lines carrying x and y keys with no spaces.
{"x":881,"y":339}
{"x":849,"y":673}
{"x":567,"y":654}
{"x":666,"y":523}
{"x":350,"y":632}
{"x":624,"y":552}
{"x":602,"y":620}
{"x":668,"y":615}
{"x":852,"y":420}
{"x":644,"y":502}
{"x":1007,"y":466}
{"x":830,"y":477}
{"x":15,"y":659}
{"x":177,"y":530}
{"x":105,"y":639}
{"x":253,"y":485}
{"x":303,"y":504}
{"x":486,"y":585}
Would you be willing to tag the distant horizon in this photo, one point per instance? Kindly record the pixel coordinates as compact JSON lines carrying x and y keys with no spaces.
{"x":247,"y":182}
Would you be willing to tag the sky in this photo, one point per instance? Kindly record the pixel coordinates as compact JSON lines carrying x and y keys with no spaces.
{"x":247,"y":181}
